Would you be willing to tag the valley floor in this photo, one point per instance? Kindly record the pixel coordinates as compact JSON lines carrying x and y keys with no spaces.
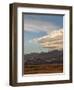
{"x":43,"y":68}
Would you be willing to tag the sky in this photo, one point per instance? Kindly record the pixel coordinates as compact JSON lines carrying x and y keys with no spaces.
{"x":38,"y":28}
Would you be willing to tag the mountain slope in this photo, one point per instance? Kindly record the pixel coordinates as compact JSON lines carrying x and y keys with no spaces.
{"x":52,"y":57}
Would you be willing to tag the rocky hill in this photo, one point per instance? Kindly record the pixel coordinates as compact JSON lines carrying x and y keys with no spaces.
{"x":52,"y":57}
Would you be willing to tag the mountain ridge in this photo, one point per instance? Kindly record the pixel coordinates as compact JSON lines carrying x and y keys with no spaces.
{"x":52,"y":57}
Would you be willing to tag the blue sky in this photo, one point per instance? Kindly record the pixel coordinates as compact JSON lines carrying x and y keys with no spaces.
{"x":36,"y":26}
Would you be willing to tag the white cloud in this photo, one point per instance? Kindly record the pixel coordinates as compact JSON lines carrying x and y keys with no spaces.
{"x":38,"y":25}
{"x":52,"y":41}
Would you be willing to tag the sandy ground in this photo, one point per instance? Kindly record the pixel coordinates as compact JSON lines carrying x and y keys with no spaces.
{"x":44,"y":68}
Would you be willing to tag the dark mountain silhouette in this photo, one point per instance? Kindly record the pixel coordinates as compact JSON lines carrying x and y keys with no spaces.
{"x":52,"y":57}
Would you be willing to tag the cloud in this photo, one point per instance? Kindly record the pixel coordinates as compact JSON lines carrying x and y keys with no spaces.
{"x":54,"y":40}
{"x":39,"y":25}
